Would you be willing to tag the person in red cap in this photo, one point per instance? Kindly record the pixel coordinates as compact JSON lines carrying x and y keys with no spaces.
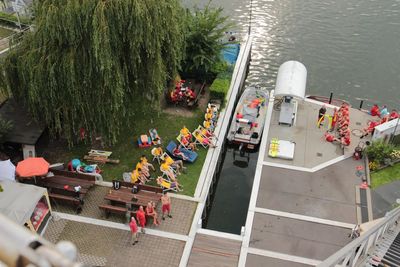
{"x":330,"y":138}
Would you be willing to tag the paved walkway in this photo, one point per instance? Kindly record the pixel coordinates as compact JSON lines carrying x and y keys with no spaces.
{"x":182,"y":211}
{"x":105,"y":246}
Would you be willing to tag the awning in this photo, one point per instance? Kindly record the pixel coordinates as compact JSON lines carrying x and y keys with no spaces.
{"x":291,"y":80}
{"x":18,"y":201}
{"x":7,"y":171}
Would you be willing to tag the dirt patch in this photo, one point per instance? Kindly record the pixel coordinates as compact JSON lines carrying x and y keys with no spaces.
{"x":189,"y":112}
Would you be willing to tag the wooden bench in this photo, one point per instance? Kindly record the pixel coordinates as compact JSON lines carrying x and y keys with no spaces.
{"x":149,"y":188}
{"x":114,"y":209}
{"x":119,"y":210}
{"x":74,"y":201}
{"x":77,"y":175}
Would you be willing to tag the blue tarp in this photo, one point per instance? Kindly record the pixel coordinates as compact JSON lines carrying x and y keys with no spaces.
{"x":230,"y":53}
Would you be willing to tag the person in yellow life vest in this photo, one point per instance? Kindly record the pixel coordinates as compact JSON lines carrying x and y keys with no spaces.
{"x":144,"y":170}
{"x":209,"y":125}
{"x":176,"y":164}
{"x":136,"y":176}
{"x":186,"y":133}
{"x":146,"y":163}
{"x":202,"y":139}
{"x":167,"y":169}
{"x":158,"y":151}
{"x":208,"y":116}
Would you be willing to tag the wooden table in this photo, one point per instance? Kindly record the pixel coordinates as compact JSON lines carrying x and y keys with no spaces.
{"x":69,"y":181}
{"x":125,"y":196}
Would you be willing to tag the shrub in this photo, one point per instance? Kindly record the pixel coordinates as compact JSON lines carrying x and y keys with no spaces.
{"x":219,"y":88}
{"x":380,"y":151}
{"x":373,"y":165}
{"x":204,"y":30}
{"x":12,"y":20}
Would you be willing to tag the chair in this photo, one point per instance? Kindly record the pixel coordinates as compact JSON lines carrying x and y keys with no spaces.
{"x":155,"y":156}
{"x":144,"y":141}
{"x":167,"y":185}
{"x":155,"y":137}
{"x":210,"y":135}
{"x":179,"y":138}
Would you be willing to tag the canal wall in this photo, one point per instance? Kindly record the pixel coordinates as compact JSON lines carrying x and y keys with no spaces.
{"x":214,"y":158}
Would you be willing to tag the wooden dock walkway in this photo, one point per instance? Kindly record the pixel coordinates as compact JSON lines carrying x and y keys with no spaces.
{"x":214,"y":251}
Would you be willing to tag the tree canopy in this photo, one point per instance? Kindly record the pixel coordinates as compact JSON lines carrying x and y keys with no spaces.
{"x":93,"y":63}
{"x":205,"y":30}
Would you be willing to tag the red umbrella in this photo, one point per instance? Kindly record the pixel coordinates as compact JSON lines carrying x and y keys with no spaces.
{"x":32,"y":167}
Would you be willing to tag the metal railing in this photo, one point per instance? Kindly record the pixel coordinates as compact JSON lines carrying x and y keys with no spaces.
{"x":359,"y":248}
{"x":13,"y":40}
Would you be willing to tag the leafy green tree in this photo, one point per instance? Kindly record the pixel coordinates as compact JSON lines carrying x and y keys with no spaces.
{"x":95,"y":63}
{"x":205,"y":30}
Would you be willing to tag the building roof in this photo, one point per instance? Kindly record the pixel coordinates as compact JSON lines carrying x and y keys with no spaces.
{"x":25,"y":129}
{"x":18,"y":201}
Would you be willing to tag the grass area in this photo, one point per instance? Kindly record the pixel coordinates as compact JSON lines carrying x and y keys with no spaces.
{"x":128,"y":152}
{"x":5,"y":32}
{"x":385,"y":176}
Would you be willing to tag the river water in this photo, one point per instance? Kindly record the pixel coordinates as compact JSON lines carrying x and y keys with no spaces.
{"x":349,"y":47}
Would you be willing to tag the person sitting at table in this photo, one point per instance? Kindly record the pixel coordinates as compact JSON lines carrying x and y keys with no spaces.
{"x":167,"y":169}
{"x":146,"y":163}
{"x":151,"y":211}
{"x":178,"y":153}
{"x":141,"y":218}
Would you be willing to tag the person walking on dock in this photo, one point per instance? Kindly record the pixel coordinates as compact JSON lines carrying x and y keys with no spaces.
{"x":321,"y":115}
{"x":166,"y":205}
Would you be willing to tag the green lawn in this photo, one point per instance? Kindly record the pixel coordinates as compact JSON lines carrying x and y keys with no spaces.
{"x":385,"y":176}
{"x":4,"y":32}
{"x":128,"y":152}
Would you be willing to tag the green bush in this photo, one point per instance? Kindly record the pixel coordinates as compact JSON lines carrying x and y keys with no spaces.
{"x":12,"y":20}
{"x":379,"y":151}
{"x":219,"y":88}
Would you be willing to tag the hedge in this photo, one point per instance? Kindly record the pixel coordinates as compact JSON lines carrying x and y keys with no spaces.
{"x":220,"y":87}
{"x":12,"y":20}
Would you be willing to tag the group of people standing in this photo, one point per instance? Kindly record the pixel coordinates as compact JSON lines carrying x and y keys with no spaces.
{"x":149,"y":211}
{"x":339,"y":125}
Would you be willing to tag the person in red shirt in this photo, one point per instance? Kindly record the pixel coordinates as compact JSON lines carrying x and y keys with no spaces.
{"x":141,"y":217}
{"x":394,"y":115}
{"x":134,"y":231}
{"x":166,"y":205}
{"x":346,"y":140}
{"x":150,"y":211}
{"x":330,"y":138}
{"x":375,"y":110}
{"x":370,"y":128}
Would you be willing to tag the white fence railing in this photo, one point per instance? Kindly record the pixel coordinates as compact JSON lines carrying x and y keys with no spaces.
{"x":358,"y":249}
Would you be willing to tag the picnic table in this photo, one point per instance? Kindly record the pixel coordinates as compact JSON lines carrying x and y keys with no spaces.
{"x":123,"y":197}
{"x":63,"y":189}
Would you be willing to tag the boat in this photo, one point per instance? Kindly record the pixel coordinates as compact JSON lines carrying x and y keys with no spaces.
{"x":249,"y":117}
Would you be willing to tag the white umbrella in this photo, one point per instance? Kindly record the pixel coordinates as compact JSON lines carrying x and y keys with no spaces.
{"x":7,"y":170}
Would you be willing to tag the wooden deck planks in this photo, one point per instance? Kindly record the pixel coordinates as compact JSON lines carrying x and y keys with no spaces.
{"x":214,"y":251}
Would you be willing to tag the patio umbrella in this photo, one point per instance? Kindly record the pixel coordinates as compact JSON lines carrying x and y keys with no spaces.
{"x":32,"y":167}
{"x":7,"y":170}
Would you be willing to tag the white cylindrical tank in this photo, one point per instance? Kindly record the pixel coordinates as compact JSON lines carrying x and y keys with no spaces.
{"x":291,"y":80}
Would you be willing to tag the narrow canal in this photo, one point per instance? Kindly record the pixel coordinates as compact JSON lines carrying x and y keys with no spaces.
{"x":232,"y":194}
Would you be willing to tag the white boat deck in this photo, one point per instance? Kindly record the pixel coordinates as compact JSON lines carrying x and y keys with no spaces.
{"x":311,"y":148}
{"x":302,"y":210}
